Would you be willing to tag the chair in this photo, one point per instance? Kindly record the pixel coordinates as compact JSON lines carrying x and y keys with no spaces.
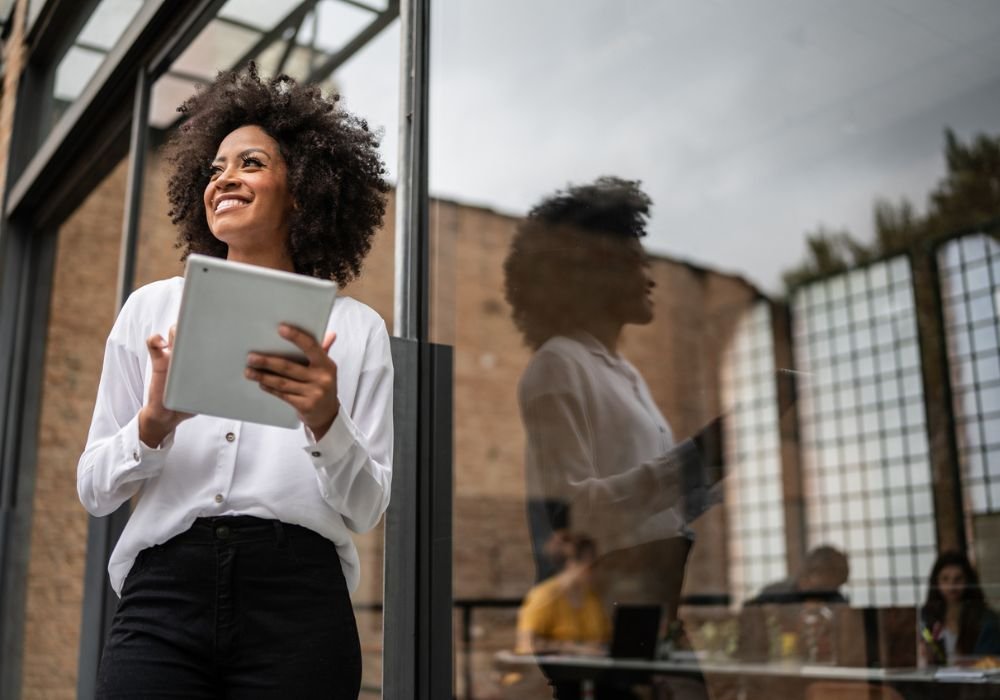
{"x":846,"y":690}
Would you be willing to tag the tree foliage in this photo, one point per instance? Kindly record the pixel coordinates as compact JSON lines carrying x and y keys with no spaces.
{"x":968,"y":197}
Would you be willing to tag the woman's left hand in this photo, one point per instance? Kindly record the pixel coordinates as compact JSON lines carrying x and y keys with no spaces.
{"x":311,"y":389}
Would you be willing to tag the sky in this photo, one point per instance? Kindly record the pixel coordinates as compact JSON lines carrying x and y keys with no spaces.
{"x":749,"y":123}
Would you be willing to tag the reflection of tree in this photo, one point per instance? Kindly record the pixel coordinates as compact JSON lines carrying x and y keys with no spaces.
{"x":968,"y":197}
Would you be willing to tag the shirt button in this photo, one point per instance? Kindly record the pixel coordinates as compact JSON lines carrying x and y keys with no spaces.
{"x":317,"y":454}
{"x":135,"y":455}
{"x":230,"y":437}
{"x":218,"y":498}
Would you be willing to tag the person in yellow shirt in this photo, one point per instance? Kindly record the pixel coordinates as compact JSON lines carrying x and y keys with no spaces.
{"x":563,"y":614}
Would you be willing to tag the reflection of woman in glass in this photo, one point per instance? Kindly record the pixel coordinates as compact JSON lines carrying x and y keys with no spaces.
{"x":601,"y":458}
{"x":955,"y":620}
{"x":235,"y":567}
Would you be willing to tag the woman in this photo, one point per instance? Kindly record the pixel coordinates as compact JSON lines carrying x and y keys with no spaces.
{"x":600,"y":457}
{"x":956,"y":621}
{"x":235,"y":567}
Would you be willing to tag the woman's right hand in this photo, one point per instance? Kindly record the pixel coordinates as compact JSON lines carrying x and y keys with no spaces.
{"x":156,"y":421}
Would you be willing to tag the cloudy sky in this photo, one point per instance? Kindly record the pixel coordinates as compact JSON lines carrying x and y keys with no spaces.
{"x":749,"y":123}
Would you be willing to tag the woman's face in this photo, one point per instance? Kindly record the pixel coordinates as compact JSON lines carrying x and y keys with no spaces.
{"x":247,"y":202}
{"x":625,"y":268}
{"x":951,"y":583}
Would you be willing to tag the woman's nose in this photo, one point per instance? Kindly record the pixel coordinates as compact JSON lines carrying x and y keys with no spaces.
{"x":225,"y":181}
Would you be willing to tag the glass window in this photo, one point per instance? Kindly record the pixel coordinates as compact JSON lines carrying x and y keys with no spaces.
{"x":976,"y":389}
{"x":86,"y":53}
{"x":761,"y":156}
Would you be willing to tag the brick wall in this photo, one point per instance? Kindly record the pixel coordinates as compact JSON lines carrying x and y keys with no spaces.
{"x":81,"y":314}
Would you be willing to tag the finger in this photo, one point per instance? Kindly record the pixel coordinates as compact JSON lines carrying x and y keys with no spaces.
{"x":172,"y":334}
{"x":304,"y":341}
{"x":278,"y":365}
{"x":156,"y":346}
{"x":328,"y":341}
{"x":277,"y":382}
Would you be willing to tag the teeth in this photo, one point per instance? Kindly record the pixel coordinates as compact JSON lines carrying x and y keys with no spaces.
{"x":229,"y":204}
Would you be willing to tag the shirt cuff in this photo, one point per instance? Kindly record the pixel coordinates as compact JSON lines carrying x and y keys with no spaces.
{"x":332,"y":447}
{"x":139,"y":458}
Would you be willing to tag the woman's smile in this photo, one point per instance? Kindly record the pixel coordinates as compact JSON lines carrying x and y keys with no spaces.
{"x":227,"y":202}
{"x":249,"y":169}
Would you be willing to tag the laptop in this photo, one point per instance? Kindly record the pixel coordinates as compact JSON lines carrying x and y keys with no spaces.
{"x":635,"y":631}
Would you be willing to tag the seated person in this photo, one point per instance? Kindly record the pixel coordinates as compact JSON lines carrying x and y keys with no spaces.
{"x":818,"y":581}
{"x":955,"y":622}
{"x":823,"y":572}
{"x":563,"y":613}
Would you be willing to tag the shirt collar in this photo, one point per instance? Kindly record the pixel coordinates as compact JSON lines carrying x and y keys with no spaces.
{"x":596,"y":347}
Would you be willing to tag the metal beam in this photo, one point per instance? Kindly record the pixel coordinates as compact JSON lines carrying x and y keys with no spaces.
{"x":34,"y":256}
{"x":55,"y":27}
{"x":417,"y":659}
{"x":292,"y":19}
{"x":350,"y":48}
{"x":112,"y":83}
{"x":411,"y":299}
{"x":99,"y":600}
{"x":290,"y":45}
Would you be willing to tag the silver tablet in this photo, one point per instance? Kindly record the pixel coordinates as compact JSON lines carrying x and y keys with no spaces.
{"x":228,"y":310}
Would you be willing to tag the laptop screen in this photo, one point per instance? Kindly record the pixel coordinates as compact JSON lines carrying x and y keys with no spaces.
{"x":635,"y":631}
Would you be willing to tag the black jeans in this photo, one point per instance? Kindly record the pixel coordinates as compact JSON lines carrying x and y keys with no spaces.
{"x":236,"y":607}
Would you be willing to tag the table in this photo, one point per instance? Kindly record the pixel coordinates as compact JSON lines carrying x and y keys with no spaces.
{"x":910,"y":683}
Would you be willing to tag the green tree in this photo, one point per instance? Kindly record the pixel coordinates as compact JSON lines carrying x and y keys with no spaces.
{"x":968,"y":197}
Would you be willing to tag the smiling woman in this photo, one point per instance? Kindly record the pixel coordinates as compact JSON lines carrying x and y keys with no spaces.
{"x":247,"y":203}
{"x":236,"y":566}
{"x":333,"y":170}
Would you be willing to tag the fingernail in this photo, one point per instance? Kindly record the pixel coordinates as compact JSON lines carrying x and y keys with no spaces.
{"x":284,"y":330}
{"x":252,"y":358}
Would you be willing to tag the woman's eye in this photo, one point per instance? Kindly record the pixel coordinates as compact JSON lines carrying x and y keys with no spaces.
{"x":214,"y":171}
{"x":251,"y":162}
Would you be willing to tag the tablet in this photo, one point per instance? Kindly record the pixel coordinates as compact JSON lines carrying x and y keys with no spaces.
{"x":228,"y":310}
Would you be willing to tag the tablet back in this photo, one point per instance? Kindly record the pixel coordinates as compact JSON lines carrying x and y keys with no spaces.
{"x":228,"y":310}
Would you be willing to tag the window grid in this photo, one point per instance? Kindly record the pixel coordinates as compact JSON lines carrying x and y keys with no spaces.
{"x":754,"y":493}
{"x":866,"y":472}
{"x":969,"y":270}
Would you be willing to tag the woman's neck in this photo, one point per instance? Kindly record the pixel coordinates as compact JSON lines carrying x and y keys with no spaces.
{"x":953,"y":615}
{"x":607,"y":333}
{"x":274,"y":259}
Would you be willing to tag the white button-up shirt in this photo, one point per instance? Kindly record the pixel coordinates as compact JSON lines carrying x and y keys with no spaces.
{"x":597,"y":443}
{"x":212,"y":466}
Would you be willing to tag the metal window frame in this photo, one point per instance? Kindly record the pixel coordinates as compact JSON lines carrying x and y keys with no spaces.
{"x":812,"y":338}
{"x":40,"y":193}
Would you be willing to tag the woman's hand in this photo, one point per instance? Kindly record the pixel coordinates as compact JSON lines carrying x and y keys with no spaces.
{"x":311,"y":389}
{"x":155,"y":420}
